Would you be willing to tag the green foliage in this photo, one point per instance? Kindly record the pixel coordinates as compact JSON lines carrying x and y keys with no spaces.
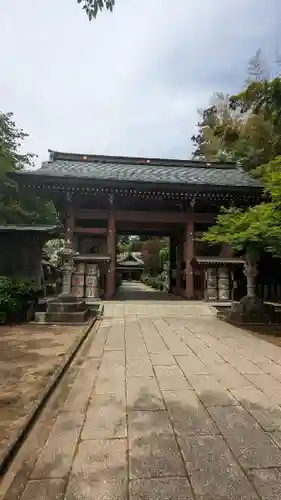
{"x":248,"y":132}
{"x":93,"y":7}
{"x":245,"y":127}
{"x":258,"y":226}
{"x":156,"y":282}
{"x":15,"y":207}
{"x":14,"y":297}
{"x":52,"y":249}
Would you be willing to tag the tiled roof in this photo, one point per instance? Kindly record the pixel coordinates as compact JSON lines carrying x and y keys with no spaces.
{"x":142,"y":170}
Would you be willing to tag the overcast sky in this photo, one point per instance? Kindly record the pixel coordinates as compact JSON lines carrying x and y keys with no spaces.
{"x":130,"y":82}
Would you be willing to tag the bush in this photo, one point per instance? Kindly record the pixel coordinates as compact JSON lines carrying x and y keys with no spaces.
{"x":15,"y":298}
{"x":156,"y":282}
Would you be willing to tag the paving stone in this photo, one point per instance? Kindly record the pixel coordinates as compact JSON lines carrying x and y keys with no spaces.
{"x":230,"y":378}
{"x":113,"y":359}
{"x":145,"y":424}
{"x":233,"y":420}
{"x":82,"y":387}
{"x":45,"y":489}
{"x":230,"y":484}
{"x":269,"y":385}
{"x":97,"y":346}
{"x":143,"y":393}
{"x":267,"y":483}
{"x":276,"y":436}
{"x":110,"y":380}
{"x":56,"y":457}
{"x":162,"y":359}
{"x":171,"y":377}
{"x":207,"y":453}
{"x":151,"y":457}
{"x":101,"y":460}
{"x":191,"y":365}
{"x":105,"y":418}
{"x":254,"y":449}
{"x":262,"y":408}
{"x":188,"y":415}
{"x":272,"y":369}
{"x":140,"y":368}
{"x":241,"y":364}
{"x":81,"y":488}
{"x":160,"y":489}
{"x":210,"y":391}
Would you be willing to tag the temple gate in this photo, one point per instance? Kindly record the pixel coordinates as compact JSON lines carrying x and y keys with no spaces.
{"x":99,"y":197}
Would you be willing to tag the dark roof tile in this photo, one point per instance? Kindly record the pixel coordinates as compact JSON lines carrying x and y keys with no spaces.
{"x":145,"y":171}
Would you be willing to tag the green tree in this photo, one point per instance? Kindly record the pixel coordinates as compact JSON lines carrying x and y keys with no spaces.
{"x":256,"y":229}
{"x":93,"y":7}
{"x":16,"y":208}
{"x":245,"y":127}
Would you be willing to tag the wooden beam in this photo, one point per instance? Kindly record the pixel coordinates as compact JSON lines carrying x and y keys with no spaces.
{"x":145,"y":216}
{"x":91,"y":213}
{"x":90,"y":230}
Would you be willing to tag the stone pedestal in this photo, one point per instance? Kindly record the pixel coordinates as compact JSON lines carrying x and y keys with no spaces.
{"x":251,"y":310}
{"x":223,"y":283}
{"x":78,"y":280}
{"x":211,"y":283}
{"x":92,"y":290}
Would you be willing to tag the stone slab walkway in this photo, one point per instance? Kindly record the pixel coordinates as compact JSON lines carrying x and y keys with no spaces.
{"x":169,"y":403}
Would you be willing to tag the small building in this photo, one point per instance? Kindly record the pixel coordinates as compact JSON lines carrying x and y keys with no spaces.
{"x":21,"y":250}
{"x":130,"y":266}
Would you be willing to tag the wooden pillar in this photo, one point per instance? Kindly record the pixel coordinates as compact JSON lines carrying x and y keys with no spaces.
{"x":111,"y":250}
{"x":69,"y":218}
{"x":178,"y":262}
{"x":189,"y":255}
{"x":173,"y":264}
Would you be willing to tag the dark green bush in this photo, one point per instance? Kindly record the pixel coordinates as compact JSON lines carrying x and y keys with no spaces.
{"x":15,"y":297}
{"x":156,"y":282}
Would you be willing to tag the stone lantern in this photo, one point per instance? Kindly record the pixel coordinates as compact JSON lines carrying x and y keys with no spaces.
{"x":67,"y":254}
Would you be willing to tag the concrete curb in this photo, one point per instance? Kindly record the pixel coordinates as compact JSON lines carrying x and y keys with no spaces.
{"x":31,"y":417}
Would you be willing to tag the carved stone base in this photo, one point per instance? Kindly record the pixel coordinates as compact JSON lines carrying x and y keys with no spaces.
{"x":63,"y":309}
{"x":251,"y":305}
{"x":250,"y":310}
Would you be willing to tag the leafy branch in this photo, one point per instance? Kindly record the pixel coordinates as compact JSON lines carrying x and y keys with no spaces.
{"x":93,"y":7}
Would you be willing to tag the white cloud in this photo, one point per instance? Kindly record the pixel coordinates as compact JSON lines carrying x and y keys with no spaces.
{"x":130,"y":82}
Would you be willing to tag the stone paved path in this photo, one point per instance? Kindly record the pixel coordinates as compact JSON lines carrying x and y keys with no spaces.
{"x":170,"y":403}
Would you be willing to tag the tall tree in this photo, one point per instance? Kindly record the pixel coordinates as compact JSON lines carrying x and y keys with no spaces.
{"x":256,"y":229}
{"x":218,"y":130}
{"x":15,"y":207}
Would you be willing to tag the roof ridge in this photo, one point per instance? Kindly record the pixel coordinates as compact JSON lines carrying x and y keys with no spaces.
{"x":137,"y":160}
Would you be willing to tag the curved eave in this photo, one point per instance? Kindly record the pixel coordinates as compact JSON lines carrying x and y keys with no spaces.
{"x":57,"y":183}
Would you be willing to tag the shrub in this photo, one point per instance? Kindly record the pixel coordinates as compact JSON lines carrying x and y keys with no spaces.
{"x":15,"y":297}
{"x":156,"y":282}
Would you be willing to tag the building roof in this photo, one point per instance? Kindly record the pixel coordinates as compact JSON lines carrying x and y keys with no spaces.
{"x":141,"y":170}
{"x":130,"y":263}
{"x":219,"y":260}
{"x":22,"y":227}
